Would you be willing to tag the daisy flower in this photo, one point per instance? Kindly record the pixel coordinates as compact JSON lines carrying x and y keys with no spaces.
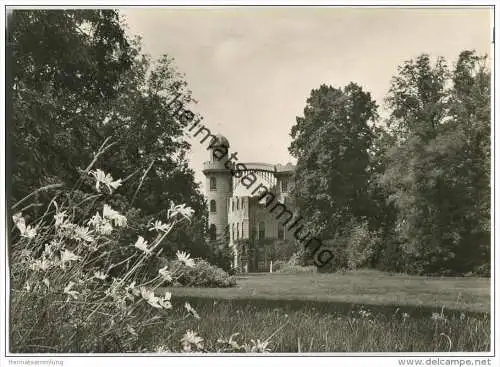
{"x":70,"y":292}
{"x":40,"y":264}
{"x":159,"y":226}
{"x":190,"y":339}
{"x":166,"y":275}
{"x":106,"y":179}
{"x":67,"y":256}
{"x":165,"y":301}
{"x":185,"y":258}
{"x":149,"y":297}
{"x":180,"y":210}
{"x":26,"y":231}
{"x":100,"y":275}
{"x":111,"y":214}
{"x":259,"y":346}
{"x":82,"y":234}
{"x":59,"y":217}
{"x":191,"y":310}
{"x":142,"y":245}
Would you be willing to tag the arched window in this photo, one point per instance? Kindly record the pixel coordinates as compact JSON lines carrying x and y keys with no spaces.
{"x":232,"y":231}
{"x":237,"y":203}
{"x":262,"y":230}
{"x":213,"y":207}
{"x":242,"y":231}
{"x":232,"y":205}
{"x":213,"y":232}
{"x":237,"y":231}
{"x":213,"y":184}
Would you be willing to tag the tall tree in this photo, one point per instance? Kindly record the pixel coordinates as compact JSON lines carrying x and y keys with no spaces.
{"x":331,"y":143}
{"x":428,"y":176}
{"x":66,"y":64}
{"x":78,"y":79}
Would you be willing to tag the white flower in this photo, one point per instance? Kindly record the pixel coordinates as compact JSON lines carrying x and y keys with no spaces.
{"x":70,"y":292}
{"x":161,"y":349}
{"x":259,"y":347}
{"x":25,"y":231}
{"x":59,"y":217}
{"x":100,"y":275}
{"x":29,"y":233}
{"x":165,"y":301}
{"x":405,"y":315}
{"x":95,"y":221}
{"x":40,"y":264}
{"x":111,"y":214}
{"x":106,"y":228}
{"x":159,"y":226}
{"x":184,"y":258}
{"x":101,"y":225}
{"x":25,"y":254}
{"x":149,"y":297}
{"x":191,"y":310}
{"x":46,"y":282}
{"x":166,"y":275}
{"x":182,"y":210}
{"x":189,"y":339}
{"x":462,"y":316}
{"x":105,"y":179}
{"x":67,"y":256}
{"x":142,"y":245}
{"x":438,"y":317}
{"x":131,"y":330}
{"x":82,"y":234}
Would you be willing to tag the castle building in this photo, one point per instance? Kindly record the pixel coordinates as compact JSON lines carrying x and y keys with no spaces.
{"x":238,"y":216}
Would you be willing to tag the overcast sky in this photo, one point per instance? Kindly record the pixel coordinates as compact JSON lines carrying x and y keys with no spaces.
{"x":252,"y":69}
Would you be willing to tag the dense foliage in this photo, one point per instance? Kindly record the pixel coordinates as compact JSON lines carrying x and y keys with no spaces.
{"x":411,"y":193}
{"x":77,"y":78}
{"x":202,"y":274}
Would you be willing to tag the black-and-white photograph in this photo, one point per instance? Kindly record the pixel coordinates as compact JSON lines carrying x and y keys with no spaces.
{"x":244,"y":180}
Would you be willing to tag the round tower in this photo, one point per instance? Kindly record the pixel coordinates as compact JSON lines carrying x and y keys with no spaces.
{"x":218,"y":187}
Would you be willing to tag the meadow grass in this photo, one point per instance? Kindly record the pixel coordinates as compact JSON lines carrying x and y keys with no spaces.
{"x":362,"y":311}
{"x":309,"y":326}
{"x":367,"y":287}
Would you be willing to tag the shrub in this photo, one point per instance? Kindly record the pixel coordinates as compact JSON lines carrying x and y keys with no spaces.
{"x":295,"y":265}
{"x":202,"y":274}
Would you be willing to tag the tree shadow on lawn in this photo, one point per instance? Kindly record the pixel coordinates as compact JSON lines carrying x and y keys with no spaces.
{"x":324,"y":307}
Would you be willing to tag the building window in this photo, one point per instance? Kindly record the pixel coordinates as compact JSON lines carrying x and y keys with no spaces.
{"x":237,"y":203}
{"x":242,"y":231}
{"x":213,"y":232}
{"x":237,"y":231}
{"x":254,"y":233}
{"x":284,"y":185}
{"x":213,"y":208}
{"x":281,"y":232}
{"x":213,"y":184}
{"x":262,"y":230}
{"x":232,"y":231}
{"x":232,"y":205}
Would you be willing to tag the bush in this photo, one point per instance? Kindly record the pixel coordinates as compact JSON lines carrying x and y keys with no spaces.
{"x":202,"y":274}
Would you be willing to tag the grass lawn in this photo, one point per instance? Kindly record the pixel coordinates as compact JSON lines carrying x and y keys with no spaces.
{"x":362,"y":287}
{"x":365,"y":311}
